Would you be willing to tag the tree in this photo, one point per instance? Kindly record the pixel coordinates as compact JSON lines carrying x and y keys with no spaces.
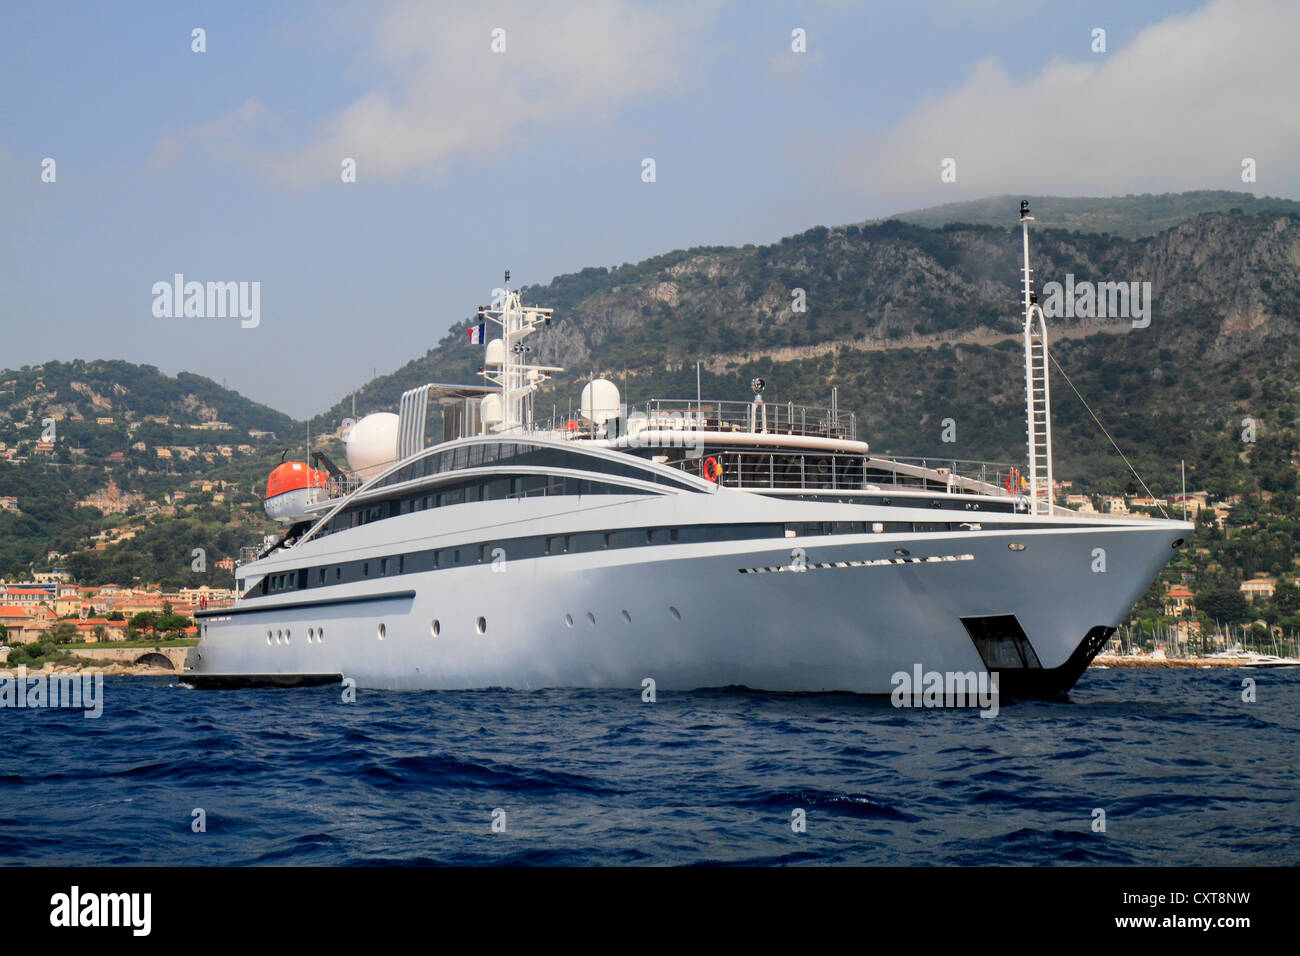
{"x":64,"y":633}
{"x":1286,"y":598}
{"x":1225,"y":605}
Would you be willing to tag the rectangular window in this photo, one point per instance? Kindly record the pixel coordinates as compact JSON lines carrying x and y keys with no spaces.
{"x":383,"y":565}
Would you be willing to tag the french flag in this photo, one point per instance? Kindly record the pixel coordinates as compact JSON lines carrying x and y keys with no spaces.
{"x":477,"y":333}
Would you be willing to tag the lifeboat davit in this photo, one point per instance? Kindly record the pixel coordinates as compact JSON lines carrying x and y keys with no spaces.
{"x":292,"y":488}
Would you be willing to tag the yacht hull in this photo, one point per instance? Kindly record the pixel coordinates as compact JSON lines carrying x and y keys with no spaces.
{"x":836,"y":613}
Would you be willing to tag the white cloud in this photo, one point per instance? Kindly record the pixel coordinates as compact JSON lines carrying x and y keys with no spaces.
{"x":448,"y":96}
{"x":224,"y":136}
{"x":1176,"y":108}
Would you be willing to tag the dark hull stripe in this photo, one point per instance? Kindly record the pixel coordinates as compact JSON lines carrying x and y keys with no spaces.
{"x":244,"y":608}
{"x":235,"y":681}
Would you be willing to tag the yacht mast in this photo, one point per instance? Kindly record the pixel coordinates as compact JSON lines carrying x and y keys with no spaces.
{"x":1038,"y":403}
{"x":506,"y":364}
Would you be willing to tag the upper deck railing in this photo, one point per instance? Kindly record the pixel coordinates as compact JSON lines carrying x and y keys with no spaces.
{"x":763,"y":417}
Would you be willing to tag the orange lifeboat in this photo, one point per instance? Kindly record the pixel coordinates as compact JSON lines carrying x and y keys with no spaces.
{"x":291,"y":488}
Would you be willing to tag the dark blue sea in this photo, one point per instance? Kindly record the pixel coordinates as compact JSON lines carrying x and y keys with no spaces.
{"x":1186,"y":772}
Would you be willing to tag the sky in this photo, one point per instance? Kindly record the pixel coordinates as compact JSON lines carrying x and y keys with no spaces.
{"x":493,"y":135}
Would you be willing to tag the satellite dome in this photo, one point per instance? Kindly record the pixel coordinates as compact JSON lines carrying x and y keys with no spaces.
{"x":490,"y":409}
{"x":372,"y":444}
{"x":600,"y":401}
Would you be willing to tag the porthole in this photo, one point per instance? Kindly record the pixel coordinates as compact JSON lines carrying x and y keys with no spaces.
{"x":268,"y":638}
{"x":676,"y":614}
{"x":902,"y":552}
{"x":1178,"y":543}
{"x":435,"y":628}
{"x":311,"y":634}
{"x":627,"y":617}
{"x":320,"y":636}
{"x":1016,"y":546}
{"x":591,"y":618}
{"x":568,"y":620}
{"x":286,"y":636}
{"x":383,"y":631}
{"x":481,"y":625}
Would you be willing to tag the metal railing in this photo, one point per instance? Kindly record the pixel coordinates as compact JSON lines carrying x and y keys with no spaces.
{"x":954,"y":474}
{"x":761,"y":417}
{"x":796,"y":470}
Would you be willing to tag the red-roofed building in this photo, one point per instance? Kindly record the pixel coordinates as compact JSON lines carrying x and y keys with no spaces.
{"x":24,"y":625}
{"x":26,"y":595}
{"x":1178,"y":599}
{"x":113,"y":630}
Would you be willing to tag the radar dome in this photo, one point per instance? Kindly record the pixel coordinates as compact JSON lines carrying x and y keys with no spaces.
{"x":599,"y":402}
{"x":372,"y":444}
{"x":496,"y":353}
{"x":490,"y":410}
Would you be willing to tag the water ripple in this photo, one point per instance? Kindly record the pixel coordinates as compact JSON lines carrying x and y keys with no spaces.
{"x":1183,"y":770}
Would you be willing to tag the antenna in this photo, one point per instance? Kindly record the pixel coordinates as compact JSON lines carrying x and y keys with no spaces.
{"x":1182,"y":466}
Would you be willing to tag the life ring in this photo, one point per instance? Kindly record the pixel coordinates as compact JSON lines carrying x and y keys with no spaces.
{"x":1013,"y":481}
{"x":712,"y":470}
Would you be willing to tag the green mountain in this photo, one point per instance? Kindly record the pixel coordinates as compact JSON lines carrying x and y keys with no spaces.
{"x":915,"y":325}
{"x":1130,"y":217}
{"x":141,"y":445}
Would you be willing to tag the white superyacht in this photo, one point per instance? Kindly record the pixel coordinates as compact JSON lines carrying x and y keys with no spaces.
{"x":697,"y":543}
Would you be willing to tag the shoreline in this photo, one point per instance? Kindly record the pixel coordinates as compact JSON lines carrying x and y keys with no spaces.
{"x":1184,"y":662}
{"x":108,"y":670}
